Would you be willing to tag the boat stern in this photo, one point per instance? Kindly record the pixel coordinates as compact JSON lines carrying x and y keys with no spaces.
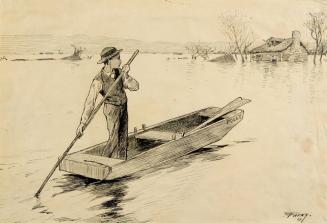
{"x":95,"y":167}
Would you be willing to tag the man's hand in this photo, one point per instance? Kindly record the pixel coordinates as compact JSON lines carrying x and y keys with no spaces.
{"x":125,"y":70}
{"x":79,"y":130}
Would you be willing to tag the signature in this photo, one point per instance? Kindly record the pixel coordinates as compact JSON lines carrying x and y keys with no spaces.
{"x":300,"y":217}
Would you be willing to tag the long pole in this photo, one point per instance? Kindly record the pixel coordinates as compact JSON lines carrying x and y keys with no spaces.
{"x":86,"y":124}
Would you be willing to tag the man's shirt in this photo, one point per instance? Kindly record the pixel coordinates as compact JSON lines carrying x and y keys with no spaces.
{"x":96,"y":86}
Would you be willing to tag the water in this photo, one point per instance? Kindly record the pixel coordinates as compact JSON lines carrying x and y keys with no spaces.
{"x":274,"y":161}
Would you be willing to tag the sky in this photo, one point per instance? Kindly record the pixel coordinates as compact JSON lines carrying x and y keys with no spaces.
{"x":152,"y":20}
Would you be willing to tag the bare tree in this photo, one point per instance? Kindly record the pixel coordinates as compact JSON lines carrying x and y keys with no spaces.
{"x":193,"y":50}
{"x":230,"y":49}
{"x":317,"y":25}
{"x":248,"y":43}
{"x":205,"y":52}
{"x":76,"y":54}
{"x":237,"y":31}
{"x":77,"y":50}
{"x":198,"y":50}
{"x":322,"y":49}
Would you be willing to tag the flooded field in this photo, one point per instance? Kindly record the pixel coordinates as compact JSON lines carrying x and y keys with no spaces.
{"x":273,"y":162}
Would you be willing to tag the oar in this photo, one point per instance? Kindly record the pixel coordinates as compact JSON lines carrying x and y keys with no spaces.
{"x":236,"y":103}
{"x":86,"y":124}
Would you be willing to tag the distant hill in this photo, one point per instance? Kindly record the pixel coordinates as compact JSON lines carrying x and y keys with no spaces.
{"x":47,"y":44}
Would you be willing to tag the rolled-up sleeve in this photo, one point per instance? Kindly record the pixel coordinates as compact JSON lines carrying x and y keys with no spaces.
{"x":90,"y":100}
{"x":130,"y":83}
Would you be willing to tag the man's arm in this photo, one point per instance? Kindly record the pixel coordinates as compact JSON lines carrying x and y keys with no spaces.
{"x":89,"y":105}
{"x":129,"y":82}
{"x":90,"y":100}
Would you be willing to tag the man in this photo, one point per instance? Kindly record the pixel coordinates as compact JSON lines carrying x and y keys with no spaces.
{"x":115,"y":106}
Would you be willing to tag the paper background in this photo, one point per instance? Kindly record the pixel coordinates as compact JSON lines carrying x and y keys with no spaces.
{"x":273,"y":162}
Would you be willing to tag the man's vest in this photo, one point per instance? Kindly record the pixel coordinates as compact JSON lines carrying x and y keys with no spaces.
{"x":117,"y":95}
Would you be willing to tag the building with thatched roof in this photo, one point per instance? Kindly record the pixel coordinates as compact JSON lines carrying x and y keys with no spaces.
{"x":278,"y":49}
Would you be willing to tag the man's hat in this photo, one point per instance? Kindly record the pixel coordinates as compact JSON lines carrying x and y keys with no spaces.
{"x":108,"y":53}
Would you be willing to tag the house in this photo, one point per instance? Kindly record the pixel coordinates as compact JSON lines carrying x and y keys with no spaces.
{"x":278,"y":49}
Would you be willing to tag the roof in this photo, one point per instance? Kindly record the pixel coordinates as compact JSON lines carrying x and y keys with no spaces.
{"x":265,"y":48}
{"x":275,"y":39}
{"x":268,"y":48}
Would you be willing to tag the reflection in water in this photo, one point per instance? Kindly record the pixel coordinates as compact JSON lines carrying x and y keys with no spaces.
{"x":285,"y":76}
{"x":114,"y":190}
{"x":315,"y":79}
{"x":269,"y":72}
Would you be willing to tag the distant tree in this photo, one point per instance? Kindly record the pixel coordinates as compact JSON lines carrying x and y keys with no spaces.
{"x":248,"y":43}
{"x":317,"y":25}
{"x":230,"y":49}
{"x":197,"y":50}
{"x":193,"y":50}
{"x":76,"y":54}
{"x":206,"y":51}
{"x":323,"y":49}
{"x":237,"y":31}
{"x":77,"y":50}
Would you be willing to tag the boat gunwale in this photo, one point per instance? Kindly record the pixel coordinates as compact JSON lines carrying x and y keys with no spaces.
{"x":169,"y":120}
{"x":131,"y":134}
{"x":213,"y":125}
{"x":210,"y":127}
